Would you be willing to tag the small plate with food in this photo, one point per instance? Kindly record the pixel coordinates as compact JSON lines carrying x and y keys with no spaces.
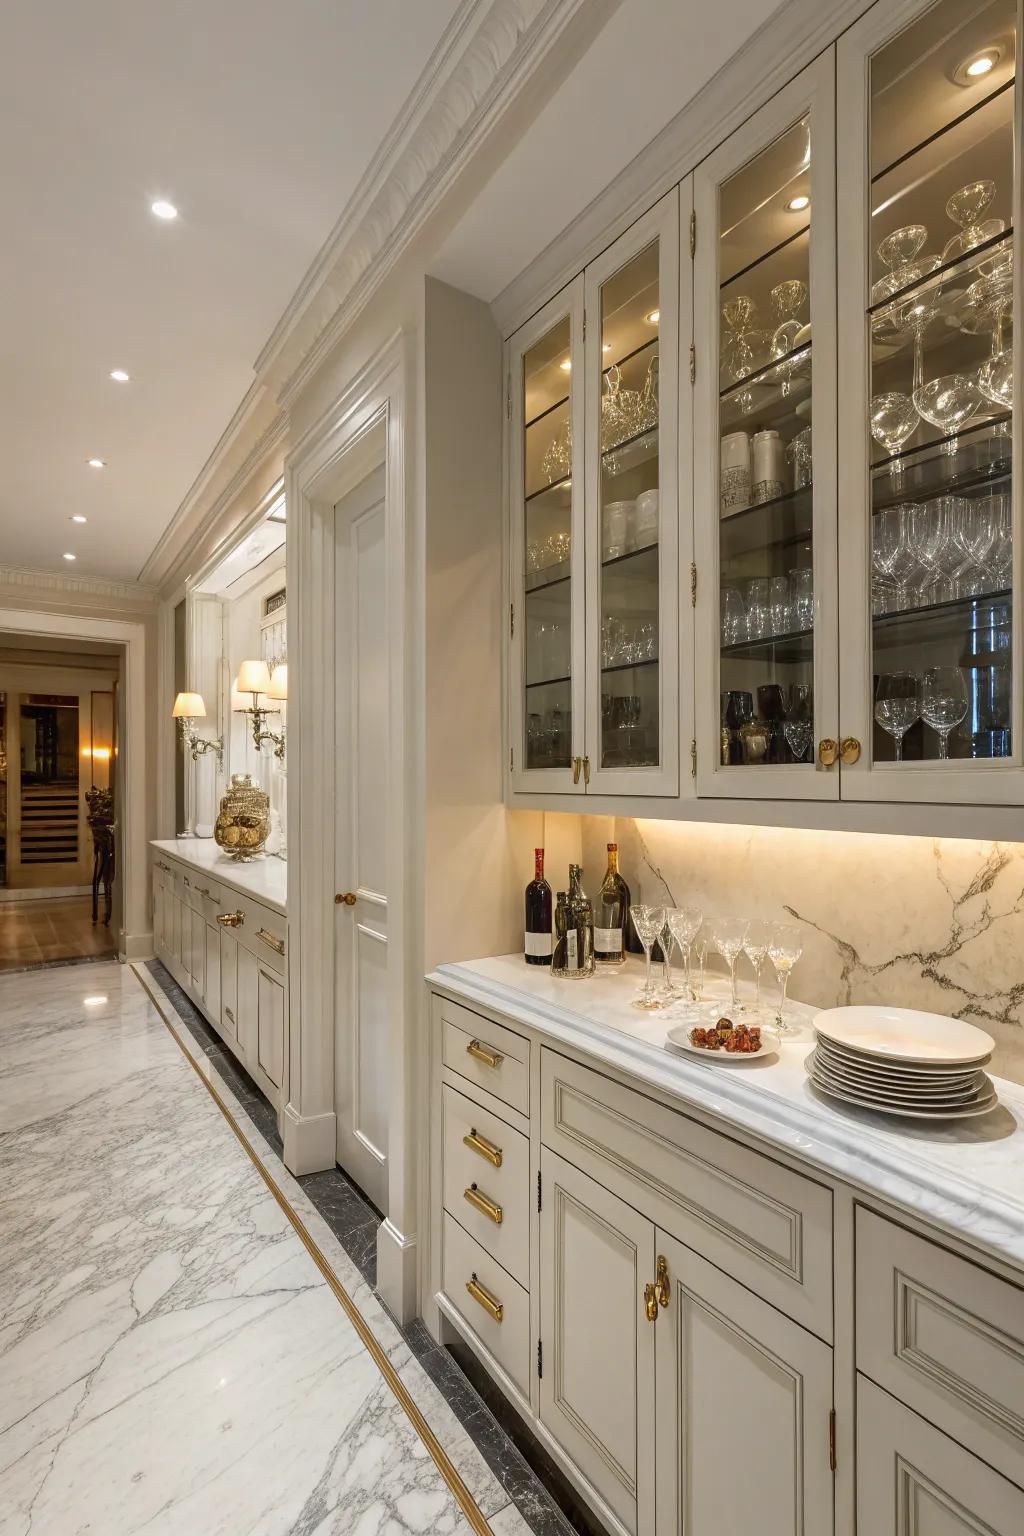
{"x":722,"y":1039}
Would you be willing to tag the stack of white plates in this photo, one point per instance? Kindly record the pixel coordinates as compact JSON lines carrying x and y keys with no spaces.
{"x":898,"y":1061}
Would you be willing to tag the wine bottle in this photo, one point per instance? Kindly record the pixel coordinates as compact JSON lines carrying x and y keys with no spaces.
{"x":612,"y":915}
{"x":574,"y":931}
{"x":538,"y":914}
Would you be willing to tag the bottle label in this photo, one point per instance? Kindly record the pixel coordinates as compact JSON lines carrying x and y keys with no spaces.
{"x":538,"y":943}
{"x":572,"y":962}
{"x":608,"y":941}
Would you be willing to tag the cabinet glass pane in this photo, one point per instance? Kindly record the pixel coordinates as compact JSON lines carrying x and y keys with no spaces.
{"x":629,"y":432}
{"x":766,"y":613}
{"x":939,"y":433}
{"x":547,"y":530}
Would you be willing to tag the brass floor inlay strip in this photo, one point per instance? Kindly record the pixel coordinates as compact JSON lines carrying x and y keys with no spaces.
{"x":468,"y":1504}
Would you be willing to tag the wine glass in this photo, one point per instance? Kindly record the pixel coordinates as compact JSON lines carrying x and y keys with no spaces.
{"x":648,"y":922}
{"x":897,"y":705}
{"x":891,"y":550}
{"x":894,"y":419}
{"x":943,"y":702}
{"x":734,"y":616}
{"x":785,"y":946}
{"x":684,"y":923}
{"x":788,"y":299}
{"x":666,"y":938}
{"x":798,"y":735}
{"x":965,"y":208}
{"x":755,"y":947}
{"x":727,"y":935}
{"x":700,"y":944}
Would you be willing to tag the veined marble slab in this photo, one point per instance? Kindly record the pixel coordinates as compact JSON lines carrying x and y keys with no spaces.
{"x":264,"y":878}
{"x":171,"y":1360}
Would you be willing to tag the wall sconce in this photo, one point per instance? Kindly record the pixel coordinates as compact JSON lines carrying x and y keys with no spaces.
{"x":254,"y":677}
{"x":188,"y":708}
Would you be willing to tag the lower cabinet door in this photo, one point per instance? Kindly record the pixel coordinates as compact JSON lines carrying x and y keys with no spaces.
{"x":912,"y":1480}
{"x":173,"y":927}
{"x":744,"y":1398}
{"x":271,"y":1025}
{"x":597,"y":1380}
{"x":211,"y":981}
{"x":246,"y":1013}
{"x":228,"y":984}
{"x":197,"y":949}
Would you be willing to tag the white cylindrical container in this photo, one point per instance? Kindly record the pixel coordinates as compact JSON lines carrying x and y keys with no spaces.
{"x":646,"y":523}
{"x":616,"y":520}
{"x":734,"y":485}
{"x":767,"y":466}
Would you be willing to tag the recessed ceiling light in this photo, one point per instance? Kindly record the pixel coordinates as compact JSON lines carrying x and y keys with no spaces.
{"x":566,"y":365}
{"x":79,"y":517}
{"x":977,"y":66}
{"x":70,"y":557}
{"x":653,"y":316}
{"x":163,"y":209}
{"x":606,"y":346}
{"x":97,"y":463}
{"x":119,"y":376}
{"x":798,"y":204}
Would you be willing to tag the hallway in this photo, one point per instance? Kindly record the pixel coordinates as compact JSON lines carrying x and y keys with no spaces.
{"x":174,"y":1356}
{"x":44,"y":930}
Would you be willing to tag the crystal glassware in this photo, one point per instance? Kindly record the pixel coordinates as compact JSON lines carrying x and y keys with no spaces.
{"x":943,"y":702}
{"x":891,"y":550}
{"x":894,"y":419}
{"x":648,"y":922}
{"x":785,"y":946}
{"x":787,"y":299}
{"x":755,"y":947}
{"x":798,"y":453}
{"x":758,"y":615}
{"x":948,"y":402}
{"x":965,"y":208}
{"x":727,"y":935}
{"x":684,"y":923}
{"x":798,"y":735}
{"x":666,"y":939}
{"x":780,"y":612}
{"x":897,"y":705}
{"x":734,"y":616}
{"x":700,"y":944}
{"x":801,"y":587}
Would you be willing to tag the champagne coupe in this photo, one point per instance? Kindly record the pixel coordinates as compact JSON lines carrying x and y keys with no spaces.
{"x":986,"y":306}
{"x":685,"y":923}
{"x":893,"y":420}
{"x":727,"y":935}
{"x":965,"y":208}
{"x":788,"y":299}
{"x":896,"y":252}
{"x":897,"y":705}
{"x":948,"y":402}
{"x":755,"y":947}
{"x":785,"y":946}
{"x":742,"y":346}
{"x":943,"y":702}
{"x":648,"y":922}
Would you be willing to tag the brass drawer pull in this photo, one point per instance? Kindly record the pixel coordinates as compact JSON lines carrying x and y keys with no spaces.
{"x":268,"y":938}
{"x":483,"y":1146}
{"x":484,"y":1053}
{"x":231,"y":919}
{"x":204,"y":890}
{"x":490,"y":1304}
{"x":651,"y":1303}
{"x":228,"y":1014}
{"x":483,"y":1205}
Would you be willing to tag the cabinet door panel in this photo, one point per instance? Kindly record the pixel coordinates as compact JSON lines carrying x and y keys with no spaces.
{"x":197,"y":949}
{"x":247,"y":1012}
{"x":743,"y":1404}
{"x":211,"y":979}
{"x":271,"y":1025}
{"x":596,"y":1391}
{"x":229,"y":983}
{"x":914,"y":1481}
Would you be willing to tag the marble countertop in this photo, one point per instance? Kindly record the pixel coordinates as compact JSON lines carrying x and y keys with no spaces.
{"x":966,"y":1176}
{"x":264,"y":879}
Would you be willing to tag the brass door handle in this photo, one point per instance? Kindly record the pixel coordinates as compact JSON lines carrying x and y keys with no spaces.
{"x":483,"y":1146}
{"x":577,"y":769}
{"x":483,"y":1205}
{"x":348,"y":899}
{"x":231,"y":919}
{"x":651,"y":1303}
{"x":828,"y":751}
{"x":203,"y":890}
{"x":483,"y":1053}
{"x":663,"y":1285}
{"x":269,"y":938}
{"x":586,"y":770}
{"x":490,"y":1303}
{"x":849,"y":750}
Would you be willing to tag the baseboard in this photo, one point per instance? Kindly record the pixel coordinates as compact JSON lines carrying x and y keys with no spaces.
{"x":310,"y":1141}
{"x":397,"y":1272}
{"x":136,"y":946}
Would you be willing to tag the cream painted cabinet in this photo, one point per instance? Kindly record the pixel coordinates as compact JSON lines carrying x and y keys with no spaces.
{"x":211,"y":970}
{"x":270,"y":1024}
{"x":597,"y":1366}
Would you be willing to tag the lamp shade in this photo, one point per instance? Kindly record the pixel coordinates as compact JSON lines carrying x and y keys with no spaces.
{"x":189,"y":706}
{"x":278,"y":682}
{"x":253,"y":677}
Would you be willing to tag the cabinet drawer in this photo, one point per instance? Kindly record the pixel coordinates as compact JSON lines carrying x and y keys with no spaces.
{"x":768,"y":1227}
{"x":261,"y":931}
{"x":945,"y":1336}
{"x":465,"y":1263}
{"x":488,"y":1054}
{"x":489,"y":1161}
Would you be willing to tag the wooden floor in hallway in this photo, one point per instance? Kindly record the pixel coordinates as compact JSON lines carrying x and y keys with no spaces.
{"x":39,"y":931}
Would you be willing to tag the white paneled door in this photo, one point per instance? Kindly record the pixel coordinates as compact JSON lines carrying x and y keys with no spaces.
{"x":361,"y":789}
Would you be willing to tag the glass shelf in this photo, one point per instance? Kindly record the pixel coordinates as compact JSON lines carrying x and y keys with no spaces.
{"x":629,"y":666}
{"x":552,"y":485}
{"x":627,"y":357}
{"x":766,"y":256}
{"x":932,"y":622}
{"x":646,"y":440}
{"x":548,"y":682}
{"x":940,"y":133}
{"x":766,"y":370}
{"x":796,"y":646}
{"x":941,"y":274}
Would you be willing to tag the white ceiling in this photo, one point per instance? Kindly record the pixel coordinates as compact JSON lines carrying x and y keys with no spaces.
{"x":643,"y":67}
{"x":257,"y":119}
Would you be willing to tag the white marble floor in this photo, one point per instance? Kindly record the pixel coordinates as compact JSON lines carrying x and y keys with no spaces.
{"x":171,"y":1359}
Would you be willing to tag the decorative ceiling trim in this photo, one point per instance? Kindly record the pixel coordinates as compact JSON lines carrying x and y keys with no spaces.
{"x":27,"y":577}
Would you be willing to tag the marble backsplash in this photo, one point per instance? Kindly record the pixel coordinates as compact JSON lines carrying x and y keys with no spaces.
{"x":915,"y":922}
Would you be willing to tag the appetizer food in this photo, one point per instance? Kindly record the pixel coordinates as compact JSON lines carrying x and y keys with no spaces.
{"x":737,"y":1039}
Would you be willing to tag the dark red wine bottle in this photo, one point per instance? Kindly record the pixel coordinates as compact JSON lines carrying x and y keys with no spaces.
{"x":538,"y":914}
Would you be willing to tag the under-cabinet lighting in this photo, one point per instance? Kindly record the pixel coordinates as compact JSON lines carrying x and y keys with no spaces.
{"x":798,"y":204}
{"x":163,"y":209}
{"x":653,"y":316}
{"x":97,"y":463}
{"x":70,"y":557}
{"x":78,"y":517}
{"x":119,"y":376}
{"x":566,"y":365}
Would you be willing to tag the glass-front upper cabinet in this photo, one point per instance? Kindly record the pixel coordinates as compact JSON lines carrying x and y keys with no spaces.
{"x":632,"y":518}
{"x":929,"y":502}
{"x":546,"y":619}
{"x":765,"y":472}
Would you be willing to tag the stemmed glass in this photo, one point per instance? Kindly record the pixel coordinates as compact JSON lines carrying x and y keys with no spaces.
{"x":894,"y":419}
{"x":648,"y":922}
{"x":666,"y":939}
{"x":701,"y":946}
{"x":897,"y":705}
{"x":755,"y":947}
{"x":965,"y":208}
{"x":788,"y":299}
{"x":684,"y":923}
{"x":891,"y":551}
{"x":948,"y":402}
{"x":785,"y":946}
{"x":727,"y":935}
{"x":943,"y":702}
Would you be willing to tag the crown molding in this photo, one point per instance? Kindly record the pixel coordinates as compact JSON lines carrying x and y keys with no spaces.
{"x":781,"y":47}
{"x":27,"y":578}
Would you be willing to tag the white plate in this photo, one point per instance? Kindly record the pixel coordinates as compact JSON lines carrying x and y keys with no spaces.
{"x":890,"y":1095}
{"x":679,"y":1037}
{"x":971,"y":1112}
{"x":905,"y":1034}
{"x":876,"y":1070}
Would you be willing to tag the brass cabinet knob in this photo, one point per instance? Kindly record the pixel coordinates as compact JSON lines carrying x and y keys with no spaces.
{"x":348,"y":898}
{"x":849,"y":750}
{"x":231,"y":919}
{"x":828,"y":752}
